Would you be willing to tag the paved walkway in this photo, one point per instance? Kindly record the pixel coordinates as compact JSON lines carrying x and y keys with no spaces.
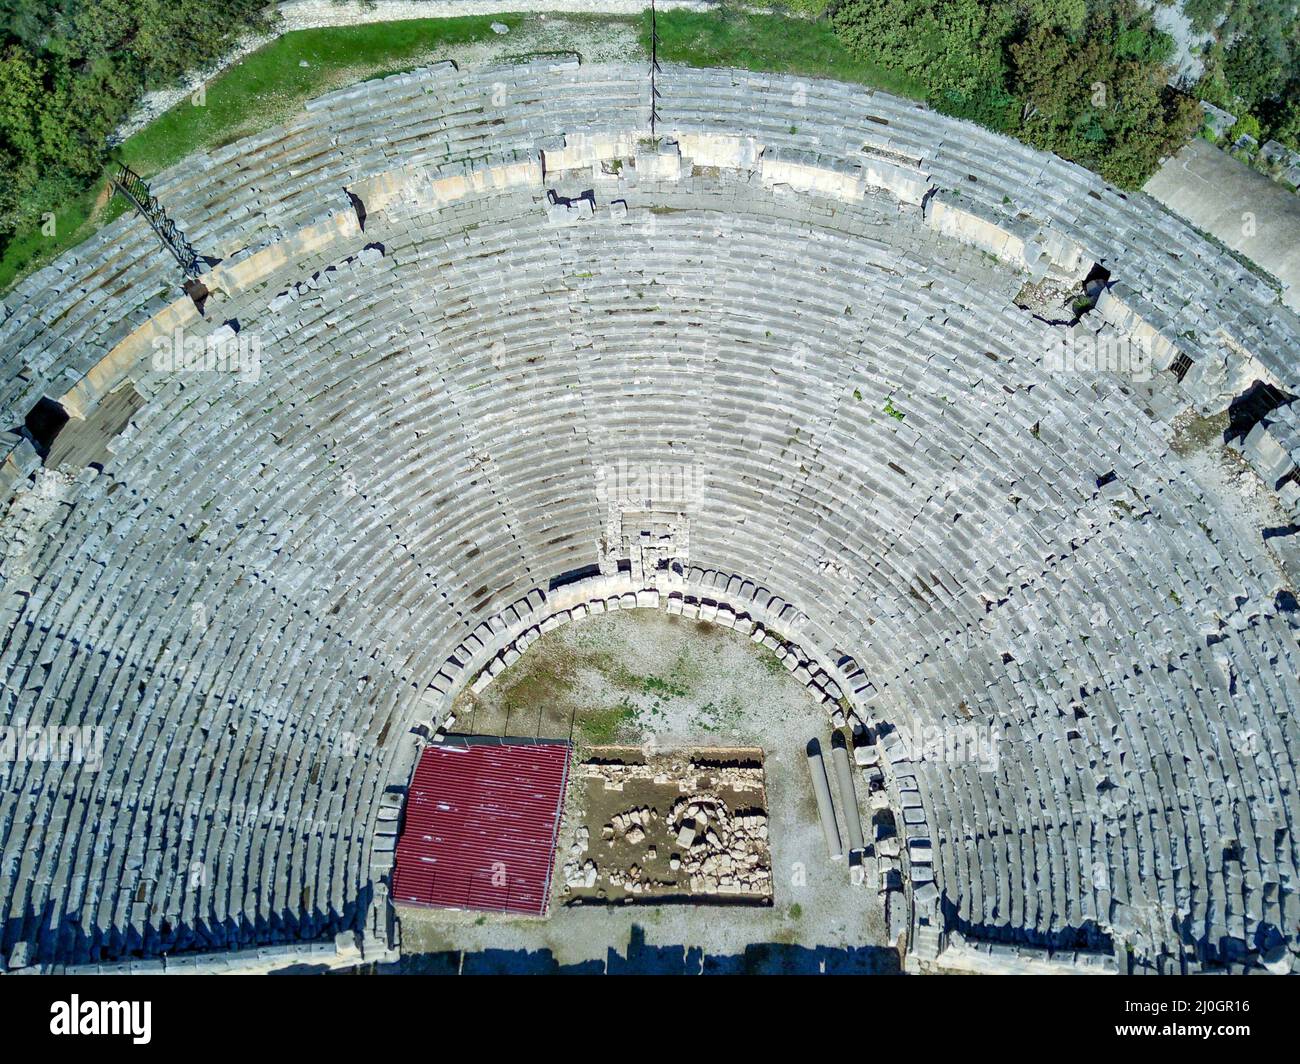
{"x":1237,"y":205}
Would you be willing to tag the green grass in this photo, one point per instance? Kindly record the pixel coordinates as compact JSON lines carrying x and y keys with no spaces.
{"x":266,"y":87}
{"x":653,"y":686}
{"x":600,"y":727}
{"x":675,"y":684}
{"x":712,"y":718}
{"x":769,"y":43}
{"x":809,"y":8}
{"x":271,"y":83}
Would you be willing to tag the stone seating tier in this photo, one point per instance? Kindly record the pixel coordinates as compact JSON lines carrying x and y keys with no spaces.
{"x":270,"y":589}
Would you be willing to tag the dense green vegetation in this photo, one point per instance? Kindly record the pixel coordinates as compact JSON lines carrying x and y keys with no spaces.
{"x":71,"y":71}
{"x":1083,"y":78}
{"x":265,"y":87}
{"x":1087,"y":79}
{"x":771,"y":42}
{"x":1252,"y":66}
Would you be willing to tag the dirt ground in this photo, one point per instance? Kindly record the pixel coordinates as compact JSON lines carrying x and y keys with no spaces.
{"x":642,"y":677}
{"x":648,"y":679}
{"x":669,"y":826}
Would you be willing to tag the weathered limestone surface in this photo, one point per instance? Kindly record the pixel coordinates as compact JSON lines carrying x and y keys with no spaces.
{"x":749,"y":380}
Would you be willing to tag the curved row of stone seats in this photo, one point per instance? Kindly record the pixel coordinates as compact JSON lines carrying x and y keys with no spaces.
{"x":1142,"y":245}
{"x":111,"y":756}
{"x":51,"y":314}
{"x":67,"y":316}
{"x":320,"y":154}
{"x":303,"y":959}
{"x":995,"y":958}
{"x":751,"y":521}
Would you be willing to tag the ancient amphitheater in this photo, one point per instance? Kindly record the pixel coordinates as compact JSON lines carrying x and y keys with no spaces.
{"x":481,"y":298}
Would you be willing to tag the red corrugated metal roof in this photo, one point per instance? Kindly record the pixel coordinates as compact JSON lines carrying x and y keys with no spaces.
{"x":480,"y":826}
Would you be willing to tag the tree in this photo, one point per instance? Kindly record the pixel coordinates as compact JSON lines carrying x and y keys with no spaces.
{"x":953,"y":46}
{"x":1068,"y":15}
{"x":1283,"y":119}
{"x":1085,"y":80}
{"x":1254,"y":71}
{"x":70,"y":72}
{"x":1102,"y":99}
{"x":20,"y":101}
{"x":1204,"y":15}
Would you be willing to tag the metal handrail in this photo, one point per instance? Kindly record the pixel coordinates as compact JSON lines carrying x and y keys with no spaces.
{"x":136,"y":190}
{"x":654,"y":68}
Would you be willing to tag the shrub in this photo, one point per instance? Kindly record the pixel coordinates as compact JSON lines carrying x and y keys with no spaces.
{"x":1087,"y":81}
{"x":70,"y":74}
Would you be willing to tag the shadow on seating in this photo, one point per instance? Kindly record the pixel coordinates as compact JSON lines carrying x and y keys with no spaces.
{"x":641,"y":958}
{"x":71,"y":944}
{"x":1087,"y":936}
{"x":1251,"y":407}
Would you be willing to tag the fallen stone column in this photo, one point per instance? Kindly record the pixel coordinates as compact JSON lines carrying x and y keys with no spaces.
{"x":848,"y":799}
{"x":822,"y":791}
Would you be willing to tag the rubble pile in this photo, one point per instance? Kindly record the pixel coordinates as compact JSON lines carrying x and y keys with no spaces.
{"x":577,"y":872}
{"x":687,"y":773}
{"x":721,"y":852}
{"x":713,"y":839}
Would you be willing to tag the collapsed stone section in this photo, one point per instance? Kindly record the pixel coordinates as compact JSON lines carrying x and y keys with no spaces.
{"x":1272,"y":447}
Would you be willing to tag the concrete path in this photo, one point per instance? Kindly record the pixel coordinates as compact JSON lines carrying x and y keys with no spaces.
{"x":1237,"y":205}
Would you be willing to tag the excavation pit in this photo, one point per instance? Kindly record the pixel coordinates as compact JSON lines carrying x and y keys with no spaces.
{"x":663,"y":827}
